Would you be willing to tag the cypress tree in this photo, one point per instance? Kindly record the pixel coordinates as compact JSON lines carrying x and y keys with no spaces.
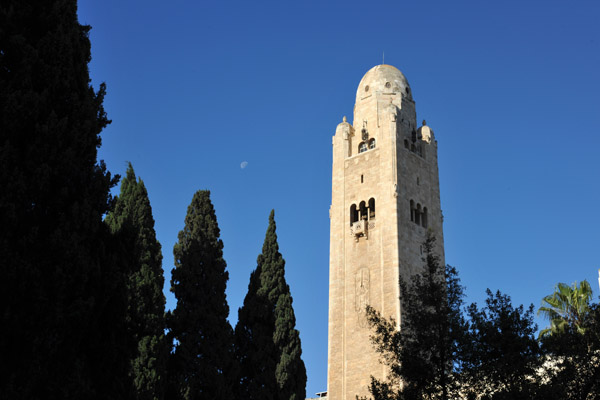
{"x":132,"y":214}
{"x":201,"y":363}
{"x":267,"y":344}
{"x":61,"y":292}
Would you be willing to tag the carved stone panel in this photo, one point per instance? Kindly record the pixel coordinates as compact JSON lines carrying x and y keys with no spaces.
{"x":361,"y":296}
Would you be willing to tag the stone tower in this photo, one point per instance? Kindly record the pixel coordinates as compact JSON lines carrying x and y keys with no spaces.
{"x":385,"y":195}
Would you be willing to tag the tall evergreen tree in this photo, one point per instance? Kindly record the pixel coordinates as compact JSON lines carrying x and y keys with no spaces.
{"x":61,"y":292}
{"x":202,"y":361}
{"x":267,"y":344}
{"x":424,"y":355}
{"x":132,"y":214}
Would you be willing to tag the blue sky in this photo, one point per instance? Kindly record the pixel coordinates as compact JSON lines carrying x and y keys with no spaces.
{"x":511,"y":89}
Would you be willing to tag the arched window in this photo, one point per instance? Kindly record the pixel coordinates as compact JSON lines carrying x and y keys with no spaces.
{"x":406,"y":144}
{"x":372,"y":143}
{"x":371,"y":208}
{"x":353,"y":214}
{"x":418,"y":214}
{"x":362,"y":210}
{"x":362,"y":147}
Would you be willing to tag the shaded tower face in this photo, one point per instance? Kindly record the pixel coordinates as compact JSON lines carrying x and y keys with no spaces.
{"x":385,"y":195}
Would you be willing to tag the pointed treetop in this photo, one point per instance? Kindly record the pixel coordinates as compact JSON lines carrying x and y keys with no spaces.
{"x":270,"y":246}
{"x":201,"y":217}
{"x":130,"y":172}
{"x":268,"y":344}
{"x":203,"y":353}
{"x":129,"y":178}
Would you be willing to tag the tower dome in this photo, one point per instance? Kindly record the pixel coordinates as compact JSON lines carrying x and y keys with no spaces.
{"x":383,"y":79}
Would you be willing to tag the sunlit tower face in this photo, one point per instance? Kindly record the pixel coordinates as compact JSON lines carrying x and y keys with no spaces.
{"x":385,"y":196}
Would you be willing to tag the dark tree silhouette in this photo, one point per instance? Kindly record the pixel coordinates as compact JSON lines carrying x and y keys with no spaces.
{"x":267,"y":343}
{"x":132,"y":215}
{"x":201,"y":366}
{"x":573,"y":360}
{"x":501,"y":355}
{"x":62,"y":288}
{"x":424,"y":355}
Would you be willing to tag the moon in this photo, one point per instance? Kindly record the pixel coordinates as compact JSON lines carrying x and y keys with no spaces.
{"x":244,"y":164}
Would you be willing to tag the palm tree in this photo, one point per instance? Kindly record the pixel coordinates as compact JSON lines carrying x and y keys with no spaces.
{"x":566,"y":307}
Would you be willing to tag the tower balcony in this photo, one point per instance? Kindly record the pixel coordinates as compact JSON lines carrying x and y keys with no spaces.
{"x":361,"y":229}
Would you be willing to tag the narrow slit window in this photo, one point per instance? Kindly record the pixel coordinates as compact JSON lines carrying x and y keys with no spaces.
{"x":363,"y":210}
{"x":371,"y":208}
{"x":353,"y":214}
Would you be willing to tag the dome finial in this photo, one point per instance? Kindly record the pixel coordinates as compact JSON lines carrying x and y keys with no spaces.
{"x":424,"y":123}
{"x":344,"y":119}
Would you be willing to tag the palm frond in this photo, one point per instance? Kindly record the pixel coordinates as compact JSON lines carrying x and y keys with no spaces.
{"x":567,"y":307}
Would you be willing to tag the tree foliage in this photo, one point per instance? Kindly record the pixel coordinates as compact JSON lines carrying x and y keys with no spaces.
{"x":423,"y":356}
{"x":62,"y":288}
{"x":501,"y":356}
{"x":132,"y":215}
{"x":202,"y":361}
{"x":267,"y":344}
{"x":439,"y":353}
{"x":572,"y":363}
